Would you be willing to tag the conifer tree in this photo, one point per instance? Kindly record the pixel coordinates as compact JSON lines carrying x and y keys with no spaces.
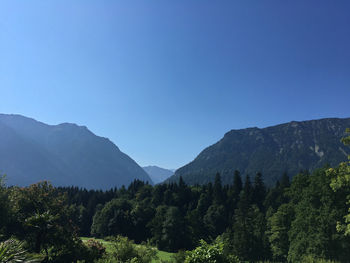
{"x":247,"y":195}
{"x":259,"y":191}
{"x":237,"y":183}
{"x":218,"y":197}
{"x":234,"y":194}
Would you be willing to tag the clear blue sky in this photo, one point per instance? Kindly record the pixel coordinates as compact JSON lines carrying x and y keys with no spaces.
{"x":165,"y":79}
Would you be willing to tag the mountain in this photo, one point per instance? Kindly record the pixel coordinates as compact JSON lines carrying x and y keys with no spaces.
{"x":158,"y":174}
{"x":65,"y":154}
{"x":289,"y":147}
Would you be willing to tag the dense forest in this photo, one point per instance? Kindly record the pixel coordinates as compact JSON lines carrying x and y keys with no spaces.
{"x":304,"y":219}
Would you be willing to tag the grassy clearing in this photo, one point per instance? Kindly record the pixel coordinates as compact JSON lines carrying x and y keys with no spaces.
{"x":106,"y":244}
{"x":162,"y":255}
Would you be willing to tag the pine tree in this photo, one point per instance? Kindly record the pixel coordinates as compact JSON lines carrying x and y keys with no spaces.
{"x":218,"y":196}
{"x":247,"y":195}
{"x":237,"y":183}
{"x":259,"y":191}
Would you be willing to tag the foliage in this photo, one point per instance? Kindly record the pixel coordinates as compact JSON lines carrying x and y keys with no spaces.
{"x":309,"y":221}
{"x":215,"y":220}
{"x":278,"y":226}
{"x":96,"y":250}
{"x":125,"y":251}
{"x":42,"y":218}
{"x":259,"y":223}
{"x":206,"y":253}
{"x":292,"y":221}
{"x":179,"y":257}
{"x":313,"y":259}
{"x":169,"y":229}
{"x":12,"y":251}
{"x":4,"y":207}
{"x":114,"y":218}
{"x":340,"y":181}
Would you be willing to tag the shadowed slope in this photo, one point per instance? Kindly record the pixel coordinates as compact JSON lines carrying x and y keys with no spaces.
{"x":66,"y":154}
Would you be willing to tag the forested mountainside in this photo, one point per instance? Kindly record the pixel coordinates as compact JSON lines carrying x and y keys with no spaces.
{"x":302,"y":220}
{"x":65,"y":154}
{"x":285,"y":148}
{"x":298,"y":221}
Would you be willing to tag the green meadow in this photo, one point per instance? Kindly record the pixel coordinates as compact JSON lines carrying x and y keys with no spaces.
{"x":162,"y":255}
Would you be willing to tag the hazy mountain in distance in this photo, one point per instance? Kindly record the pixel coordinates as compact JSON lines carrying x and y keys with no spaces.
{"x":289,"y":147}
{"x":158,"y":174}
{"x":65,"y":154}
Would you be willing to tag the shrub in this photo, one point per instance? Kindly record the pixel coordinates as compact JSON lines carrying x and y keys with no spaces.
{"x":96,"y":250}
{"x":179,"y":257}
{"x":206,"y":253}
{"x":313,"y":259}
{"x":12,"y":251}
{"x":126,"y":251}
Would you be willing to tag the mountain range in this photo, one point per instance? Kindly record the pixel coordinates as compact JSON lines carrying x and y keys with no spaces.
{"x":65,"y":154}
{"x":68,"y":154}
{"x":158,"y":174}
{"x":285,"y":148}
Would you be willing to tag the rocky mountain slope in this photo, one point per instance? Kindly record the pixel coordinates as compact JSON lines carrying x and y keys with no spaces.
{"x":288,"y":147}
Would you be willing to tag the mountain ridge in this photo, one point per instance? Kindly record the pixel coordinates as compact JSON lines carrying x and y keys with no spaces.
{"x":158,"y":174}
{"x":273,"y":150}
{"x":66,"y":154}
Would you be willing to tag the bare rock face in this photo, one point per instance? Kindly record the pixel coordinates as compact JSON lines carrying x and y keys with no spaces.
{"x":289,"y":147}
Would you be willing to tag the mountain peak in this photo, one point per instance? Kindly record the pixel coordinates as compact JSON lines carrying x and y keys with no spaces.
{"x":291,"y":147}
{"x":65,"y":154}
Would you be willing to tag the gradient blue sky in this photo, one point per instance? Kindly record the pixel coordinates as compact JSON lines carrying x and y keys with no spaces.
{"x":165,"y":79}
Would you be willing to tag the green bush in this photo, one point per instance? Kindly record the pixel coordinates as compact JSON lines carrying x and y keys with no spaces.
{"x":95,"y":250}
{"x":179,"y":257}
{"x":12,"y":251}
{"x":313,"y":259}
{"x":126,"y":251}
{"x":210,"y":253}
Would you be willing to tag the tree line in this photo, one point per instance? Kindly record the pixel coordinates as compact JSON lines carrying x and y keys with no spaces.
{"x":290,"y":222}
{"x":285,"y":222}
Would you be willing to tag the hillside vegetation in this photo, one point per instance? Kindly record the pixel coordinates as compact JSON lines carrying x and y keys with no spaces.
{"x":305,"y":220}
